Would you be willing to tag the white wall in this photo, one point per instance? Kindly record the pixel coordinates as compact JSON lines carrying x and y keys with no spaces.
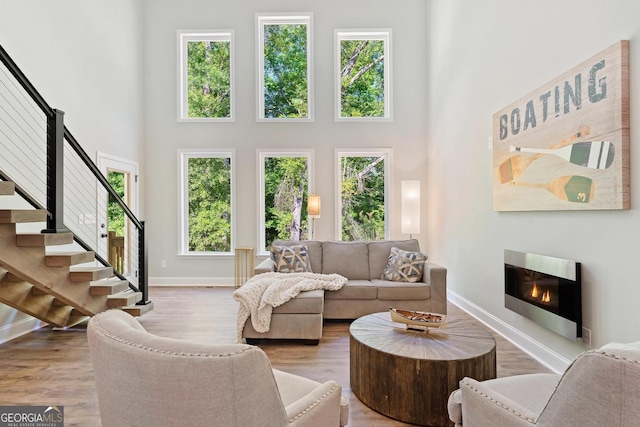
{"x":85,"y":58}
{"x":406,"y":135}
{"x":483,"y":55}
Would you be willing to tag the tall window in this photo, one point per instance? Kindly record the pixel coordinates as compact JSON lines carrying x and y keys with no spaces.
{"x":363,"y":189}
{"x":206,"y":76}
{"x":285,"y":69}
{"x":284,"y":188}
{"x":363,"y":75}
{"x":207,"y":201}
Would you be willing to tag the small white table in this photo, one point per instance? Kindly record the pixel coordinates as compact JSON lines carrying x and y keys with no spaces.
{"x":244,"y":265}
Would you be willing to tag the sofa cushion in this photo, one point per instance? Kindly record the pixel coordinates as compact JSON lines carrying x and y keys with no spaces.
{"x":305,"y":302}
{"x":402,"y":291}
{"x":314,"y":249}
{"x":348,"y":259}
{"x":379,"y":253}
{"x":404,"y":266}
{"x":354,"y":289}
{"x":290,"y":259}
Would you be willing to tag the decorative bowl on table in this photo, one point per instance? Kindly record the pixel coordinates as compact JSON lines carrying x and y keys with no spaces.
{"x":418,"y":320}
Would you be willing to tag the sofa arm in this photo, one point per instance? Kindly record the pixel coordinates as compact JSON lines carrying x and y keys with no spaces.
{"x":267,"y":265}
{"x":436,"y":276}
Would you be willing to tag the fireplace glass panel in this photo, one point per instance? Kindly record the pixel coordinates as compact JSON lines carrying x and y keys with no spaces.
{"x":551,"y":293}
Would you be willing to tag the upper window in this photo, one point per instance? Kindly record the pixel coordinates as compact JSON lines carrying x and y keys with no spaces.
{"x":284,"y":188}
{"x":206,"y":76}
{"x":206,"y":201}
{"x":363,"y":75}
{"x":363,"y":194}
{"x":285,"y":69}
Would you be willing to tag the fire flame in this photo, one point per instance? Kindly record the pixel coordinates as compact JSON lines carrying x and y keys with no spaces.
{"x":546,"y":296}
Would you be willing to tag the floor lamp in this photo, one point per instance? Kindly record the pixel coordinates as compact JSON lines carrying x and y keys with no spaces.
{"x":410,"y":191}
{"x":313,"y":211}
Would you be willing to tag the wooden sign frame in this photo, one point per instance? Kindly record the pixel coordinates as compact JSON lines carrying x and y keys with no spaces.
{"x":565,"y":146}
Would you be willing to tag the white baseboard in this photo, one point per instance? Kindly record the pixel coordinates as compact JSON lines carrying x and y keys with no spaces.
{"x":533,"y":348}
{"x":192,"y":281}
{"x":22,"y":327}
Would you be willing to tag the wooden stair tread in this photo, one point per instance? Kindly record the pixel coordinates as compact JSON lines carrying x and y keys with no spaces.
{"x":138,"y":310}
{"x":89,"y":274}
{"x":123,"y":299}
{"x":43,"y":239}
{"x":66,"y":259}
{"x":13,"y":216}
{"x":108,"y":287}
{"x":7,"y":188}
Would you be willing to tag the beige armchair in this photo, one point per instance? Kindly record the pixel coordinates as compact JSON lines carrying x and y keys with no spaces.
{"x":600,"y":388}
{"x":146,"y":380}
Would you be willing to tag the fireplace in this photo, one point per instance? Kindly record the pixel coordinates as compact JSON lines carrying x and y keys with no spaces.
{"x":544,"y":289}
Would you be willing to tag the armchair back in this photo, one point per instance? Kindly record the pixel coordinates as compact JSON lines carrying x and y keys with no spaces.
{"x":601,"y":387}
{"x":146,"y":380}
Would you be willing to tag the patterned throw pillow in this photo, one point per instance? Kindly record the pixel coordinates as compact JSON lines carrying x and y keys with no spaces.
{"x":404,"y":266}
{"x":291,"y":259}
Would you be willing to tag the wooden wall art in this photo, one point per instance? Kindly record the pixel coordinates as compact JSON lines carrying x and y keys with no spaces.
{"x":565,"y":146}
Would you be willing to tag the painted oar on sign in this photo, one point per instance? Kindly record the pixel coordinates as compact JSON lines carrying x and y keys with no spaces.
{"x":514,"y":166}
{"x":590,"y":154}
{"x":571,"y":188}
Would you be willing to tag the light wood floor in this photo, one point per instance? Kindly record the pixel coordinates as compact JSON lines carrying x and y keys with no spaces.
{"x":52,"y":367}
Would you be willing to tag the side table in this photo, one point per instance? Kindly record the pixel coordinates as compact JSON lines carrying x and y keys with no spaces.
{"x":243,"y":265}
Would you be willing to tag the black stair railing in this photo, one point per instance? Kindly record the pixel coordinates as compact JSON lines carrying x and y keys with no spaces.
{"x":57,"y":136}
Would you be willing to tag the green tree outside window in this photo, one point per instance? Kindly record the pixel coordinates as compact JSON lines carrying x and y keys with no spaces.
{"x":209,"y":198}
{"x":362,"y":193}
{"x":362,"y":78}
{"x":285,"y":194}
{"x":115,"y":214}
{"x":209,"y":79}
{"x":285,"y":71}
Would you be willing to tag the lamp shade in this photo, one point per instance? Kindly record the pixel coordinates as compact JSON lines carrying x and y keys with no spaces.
{"x":313,"y":206}
{"x":410,"y":191}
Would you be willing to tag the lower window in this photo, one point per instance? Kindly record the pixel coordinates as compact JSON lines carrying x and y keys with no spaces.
{"x":206,"y":202}
{"x":363,"y":194}
{"x":284,"y":187}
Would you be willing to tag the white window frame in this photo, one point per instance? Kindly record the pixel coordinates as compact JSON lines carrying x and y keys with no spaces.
{"x":261,"y":156}
{"x":183,"y":198}
{"x":383,"y":34}
{"x":387,"y":153}
{"x":186,"y":36}
{"x":263,"y":19}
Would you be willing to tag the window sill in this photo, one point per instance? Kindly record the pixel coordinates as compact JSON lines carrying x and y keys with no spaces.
{"x":205,"y":255}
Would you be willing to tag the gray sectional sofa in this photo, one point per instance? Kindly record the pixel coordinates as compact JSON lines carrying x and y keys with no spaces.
{"x":362,"y":263}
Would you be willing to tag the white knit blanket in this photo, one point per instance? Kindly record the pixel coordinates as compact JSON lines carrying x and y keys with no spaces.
{"x":263,"y":292}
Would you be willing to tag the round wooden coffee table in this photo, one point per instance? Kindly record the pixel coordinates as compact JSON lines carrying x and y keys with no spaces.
{"x":408,"y":375}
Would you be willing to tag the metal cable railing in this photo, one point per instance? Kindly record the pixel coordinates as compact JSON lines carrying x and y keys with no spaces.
{"x":53,"y":172}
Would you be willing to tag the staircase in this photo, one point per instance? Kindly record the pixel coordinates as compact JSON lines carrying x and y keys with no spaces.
{"x":50,"y":285}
